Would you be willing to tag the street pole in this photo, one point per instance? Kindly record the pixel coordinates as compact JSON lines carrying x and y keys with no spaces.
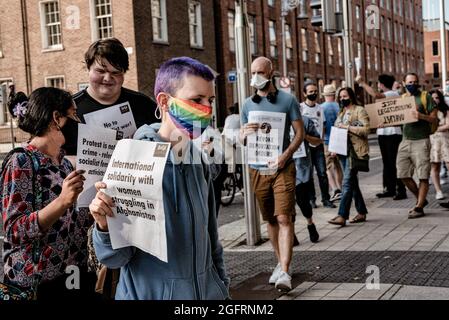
{"x":443,"y":45}
{"x":243,"y":61}
{"x":347,"y":43}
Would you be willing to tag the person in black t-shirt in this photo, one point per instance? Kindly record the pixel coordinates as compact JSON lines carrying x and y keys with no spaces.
{"x":107,"y":61}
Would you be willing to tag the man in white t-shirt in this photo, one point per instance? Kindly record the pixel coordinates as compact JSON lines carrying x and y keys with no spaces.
{"x":315,"y":113}
{"x":389,"y":139}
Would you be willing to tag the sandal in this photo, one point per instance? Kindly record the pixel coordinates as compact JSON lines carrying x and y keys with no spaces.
{"x":358,"y":218}
{"x":338,"y":220}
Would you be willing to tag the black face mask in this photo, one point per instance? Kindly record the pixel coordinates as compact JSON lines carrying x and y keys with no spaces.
{"x":345,"y":102}
{"x":68,"y":128}
{"x":312,"y":97}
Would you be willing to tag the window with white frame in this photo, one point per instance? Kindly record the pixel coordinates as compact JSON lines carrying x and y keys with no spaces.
{"x":51,"y":25}
{"x":55,"y":82}
{"x":304,"y":46}
{"x":317,"y":48}
{"x":340,"y":52}
{"x":102,"y":19}
{"x":273,"y":41}
{"x":330,"y":50}
{"x":159,"y":20}
{"x":196,"y":33}
{"x":288,"y":42}
{"x":376,"y":58}
{"x":231,"y":31}
{"x":252,"y":31}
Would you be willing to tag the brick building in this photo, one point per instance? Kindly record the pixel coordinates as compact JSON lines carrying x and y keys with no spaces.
{"x":42,"y":43}
{"x":396,"y":47}
{"x":432,"y":55}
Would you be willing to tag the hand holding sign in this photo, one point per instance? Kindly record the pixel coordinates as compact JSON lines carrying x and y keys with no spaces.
{"x":101,"y":206}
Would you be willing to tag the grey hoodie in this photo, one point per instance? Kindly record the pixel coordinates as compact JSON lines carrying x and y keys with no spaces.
{"x":195,"y":268}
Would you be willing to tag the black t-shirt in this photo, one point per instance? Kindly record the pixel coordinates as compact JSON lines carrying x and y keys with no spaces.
{"x":142,"y":107}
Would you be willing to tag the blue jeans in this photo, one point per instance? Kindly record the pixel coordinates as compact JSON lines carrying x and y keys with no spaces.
{"x":319,"y":162}
{"x":350,"y":190}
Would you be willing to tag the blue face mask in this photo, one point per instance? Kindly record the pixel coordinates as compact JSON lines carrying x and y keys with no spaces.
{"x":412,"y":88}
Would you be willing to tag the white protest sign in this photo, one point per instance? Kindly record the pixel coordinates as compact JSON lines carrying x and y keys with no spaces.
{"x":391,"y":112}
{"x":301,"y":152}
{"x":95,"y":147}
{"x":118,"y":117}
{"x":134,"y":181}
{"x":266,"y":144}
{"x":338,"y":141}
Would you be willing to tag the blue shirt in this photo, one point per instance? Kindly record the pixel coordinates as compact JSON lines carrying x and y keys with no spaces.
{"x":285,"y":103}
{"x":331,"y":110}
{"x":304,"y":168}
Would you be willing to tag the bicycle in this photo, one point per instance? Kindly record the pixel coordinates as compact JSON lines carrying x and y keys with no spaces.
{"x":232,"y":182}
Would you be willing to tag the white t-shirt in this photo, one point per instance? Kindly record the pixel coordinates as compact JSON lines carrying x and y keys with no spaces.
{"x":315,"y":114}
{"x":389,"y":131}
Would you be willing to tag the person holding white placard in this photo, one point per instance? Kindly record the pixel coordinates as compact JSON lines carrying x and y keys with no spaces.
{"x":355,"y":119}
{"x":195,"y":268}
{"x":274,"y":186}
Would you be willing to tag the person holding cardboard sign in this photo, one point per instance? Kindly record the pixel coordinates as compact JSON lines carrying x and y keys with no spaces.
{"x":195,"y":267}
{"x":414,"y":150}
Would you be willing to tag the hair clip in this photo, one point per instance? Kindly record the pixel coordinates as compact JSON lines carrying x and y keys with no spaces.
{"x":20,"y":109}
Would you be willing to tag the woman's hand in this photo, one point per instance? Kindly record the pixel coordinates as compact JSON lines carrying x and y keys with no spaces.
{"x":100,"y":207}
{"x":72,"y":186}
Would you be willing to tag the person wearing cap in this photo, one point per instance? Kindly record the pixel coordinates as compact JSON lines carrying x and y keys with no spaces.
{"x":333,"y":166}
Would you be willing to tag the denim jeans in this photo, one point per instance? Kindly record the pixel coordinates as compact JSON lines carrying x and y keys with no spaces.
{"x":319,"y":162}
{"x":350,"y":190}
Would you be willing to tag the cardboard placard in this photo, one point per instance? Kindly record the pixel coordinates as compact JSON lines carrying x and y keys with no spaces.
{"x":391,"y":112}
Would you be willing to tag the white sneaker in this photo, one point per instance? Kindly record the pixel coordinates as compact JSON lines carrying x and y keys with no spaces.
{"x":439,"y":195}
{"x":284,"y":282}
{"x":275,"y":275}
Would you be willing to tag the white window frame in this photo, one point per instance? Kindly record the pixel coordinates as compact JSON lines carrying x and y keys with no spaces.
{"x":198,"y":27}
{"x":231,"y":31}
{"x":162,"y":19}
{"x":273,"y":39}
{"x":47,"y":79}
{"x":288,"y":42}
{"x":44,"y":31}
{"x":94,"y":21}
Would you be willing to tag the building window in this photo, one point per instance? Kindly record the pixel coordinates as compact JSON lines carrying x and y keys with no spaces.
{"x":304,"y":45}
{"x":271,"y":3}
{"x":55,"y":82}
{"x":288,"y":42}
{"x":436,"y":70}
{"x":358,"y":22}
{"x":317,"y":48}
{"x":102,"y":22}
{"x":252,"y":33}
{"x":51,"y":25}
{"x":340,"y":52}
{"x":273,"y":44}
{"x":159,"y":18}
{"x":330,"y":49}
{"x":231,"y":31}
{"x":368,"y":57}
{"x":196,"y":32}
{"x":390,"y":62}
{"x":435,"y":48}
{"x":389,"y":29}
{"x":376,"y":59}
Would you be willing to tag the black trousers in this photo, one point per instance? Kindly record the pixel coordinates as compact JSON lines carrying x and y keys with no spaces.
{"x":302,"y":191}
{"x":389,"y":146}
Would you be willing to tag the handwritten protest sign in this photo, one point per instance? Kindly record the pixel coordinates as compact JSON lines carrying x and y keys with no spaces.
{"x":95,"y":147}
{"x":118,"y":117}
{"x":391,"y":112}
{"x":134,"y":181}
{"x":338,"y":141}
{"x":266,"y":144}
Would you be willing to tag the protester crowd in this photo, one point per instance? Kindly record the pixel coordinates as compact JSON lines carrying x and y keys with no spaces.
{"x":46,"y":232}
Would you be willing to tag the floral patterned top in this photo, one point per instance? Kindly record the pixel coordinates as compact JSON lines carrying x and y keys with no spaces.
{"x":64,"y":244}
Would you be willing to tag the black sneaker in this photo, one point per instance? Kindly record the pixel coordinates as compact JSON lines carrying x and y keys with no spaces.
{"x":445,"y":205}
{"x":328,"y":204}
{"x":385,"y":195}
{"x":313,"y":234}
{"x":400,"y":196}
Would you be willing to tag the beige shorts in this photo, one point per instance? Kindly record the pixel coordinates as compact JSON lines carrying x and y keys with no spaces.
{"x":414,"y":155}
{"x":275,"y":193}
{"x":331,"y":162}
{"x":440,"y":147}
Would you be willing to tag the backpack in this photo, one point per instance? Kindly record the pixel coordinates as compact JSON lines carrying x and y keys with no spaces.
{"x":433,"y":125}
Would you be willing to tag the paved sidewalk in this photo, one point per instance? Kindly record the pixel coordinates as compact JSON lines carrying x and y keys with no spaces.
{"x":388,"y":238}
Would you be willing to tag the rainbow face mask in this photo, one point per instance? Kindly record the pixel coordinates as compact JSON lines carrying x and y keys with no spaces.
{"x":190,"y":117}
